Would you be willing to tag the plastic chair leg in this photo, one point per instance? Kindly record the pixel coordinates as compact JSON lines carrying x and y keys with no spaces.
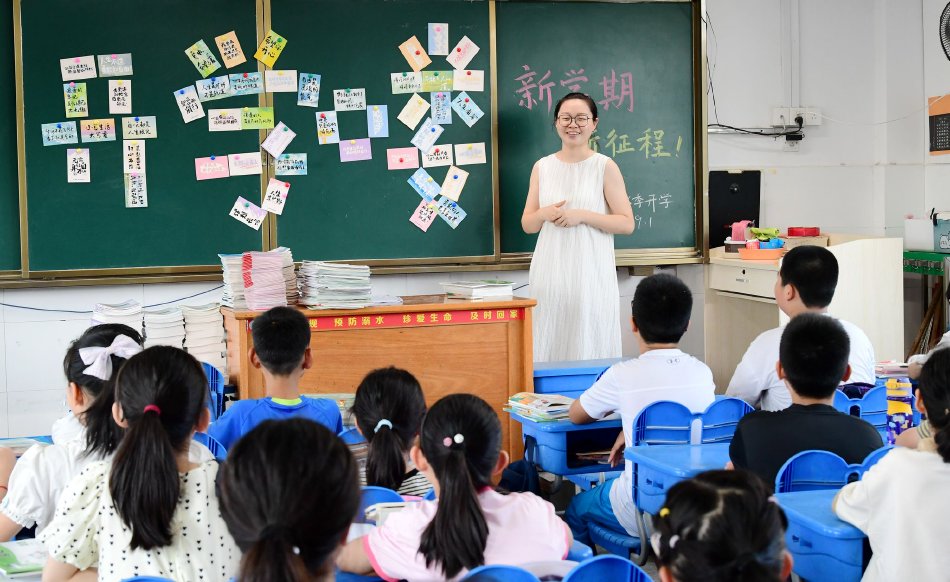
{"x":643,"y":555}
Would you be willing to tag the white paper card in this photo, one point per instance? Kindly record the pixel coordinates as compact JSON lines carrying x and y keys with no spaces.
{"x":133,"y":155}
{"x":427,"y":135}
{"x":77,"y":165}
{"x":278,"y":140}
{"x":438,"y":156}
{"x":189,"y":104}
{"x":454,"y":182}
{"x":349,"y":99}
{"x":438,"y":38}
{"x":414,"y":111}
{"x":120,"y":96}
{"x":451,"y":212}
{"x":213,"y":88}
{"x":282,"y":81}
{"x":409,"y":82}
{"x":248,"y":213}
{"x":224,"y":119}
{"x":469,"y":153}
{"x":328,"y":131}
{"x":245,"y":164}
{"x":75,"y":68}
{"x":463,"y":53}
{"x":276,"y":196}
{"x":115,"y":65}
{"x":468,"y":80}
{"x":139,"y":127}
{"x":136,"y":190}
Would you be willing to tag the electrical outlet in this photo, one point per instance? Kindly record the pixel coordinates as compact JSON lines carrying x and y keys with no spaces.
{"x":785,"y":116}
{"x":812,"y":116}
{"x":790,"y":146}
{"x":782,"y":117}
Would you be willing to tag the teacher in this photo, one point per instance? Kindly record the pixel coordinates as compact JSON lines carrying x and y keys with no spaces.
{"x":578,"y":201}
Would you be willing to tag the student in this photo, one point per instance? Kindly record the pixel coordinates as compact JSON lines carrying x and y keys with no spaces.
{"x":41,"y":474}
{"x":459,"y":451}
{"x":805,"y":283}
{"x":389,"y":407}
{"x":290,"y":518}
{"x":661,"y":308}
{"x":282,"y":351}
{"x":721,"y":526}
{"x":813,"y":360}
{"x":150,"y":510}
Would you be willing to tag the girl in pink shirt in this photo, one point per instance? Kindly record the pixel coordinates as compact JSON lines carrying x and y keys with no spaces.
{"x":459,"y":451}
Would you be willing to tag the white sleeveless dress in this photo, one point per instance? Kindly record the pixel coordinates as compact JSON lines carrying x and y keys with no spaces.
{"x":573,"y":273}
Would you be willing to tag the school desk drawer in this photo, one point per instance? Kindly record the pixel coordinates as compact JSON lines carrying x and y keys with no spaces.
{"x":742,"y":279}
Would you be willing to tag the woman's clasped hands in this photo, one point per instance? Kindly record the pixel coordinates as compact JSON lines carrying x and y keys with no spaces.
{"x":559,"y":215}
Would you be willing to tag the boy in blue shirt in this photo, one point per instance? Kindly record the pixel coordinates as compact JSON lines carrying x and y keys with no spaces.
{"x":282,"y":351}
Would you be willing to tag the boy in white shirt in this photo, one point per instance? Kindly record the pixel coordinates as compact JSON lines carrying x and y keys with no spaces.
{"x":661,"y":310}
{"x":805,"y":283}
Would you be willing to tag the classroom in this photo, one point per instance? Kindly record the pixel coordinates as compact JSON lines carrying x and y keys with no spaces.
{"x":786,"y":113}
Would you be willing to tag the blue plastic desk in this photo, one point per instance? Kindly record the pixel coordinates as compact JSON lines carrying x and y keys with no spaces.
{"x":657,"y":468}
{"x":555,"y":444}
{"x":569,"y":378}
{"x":823,"y":546}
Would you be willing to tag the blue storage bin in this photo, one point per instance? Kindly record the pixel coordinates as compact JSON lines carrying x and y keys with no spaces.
{"x":556,"y":443}
{"x":823,"y":546}
{"x":569,"y":378}
{"x":660,"y":467}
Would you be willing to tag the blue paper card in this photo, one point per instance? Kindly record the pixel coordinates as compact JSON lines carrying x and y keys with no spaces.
{"x":451,"y":212}
{"x":60,"y":133}
{"x":441,"y":102}
{"x":308,"y":90}
{"x":377,"y":120}
{"x":424,"y":184}
{"x":246,"y":83}
{"x":291,"y":165}
{"x":466,"y":109}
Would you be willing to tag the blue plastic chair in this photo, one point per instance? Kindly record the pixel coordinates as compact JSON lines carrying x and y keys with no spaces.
{"x":500,"y":574}
{"x":872,"y":407}
{"x":352,"y":436}
{"x":822,"y":470}
{"x":721,"y":419}
{"x":372,"y":495}
{"x":430,"y":495}
{"x":616,"y":543}
{"x":215,"y":390}
{"x":663,"y":423}
{"x":216,"y":448}
{"x":604,"y":568}
{"x":579,"y":552}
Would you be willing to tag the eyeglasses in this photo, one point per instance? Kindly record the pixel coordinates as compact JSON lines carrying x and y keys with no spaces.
{"x":580,"y":120}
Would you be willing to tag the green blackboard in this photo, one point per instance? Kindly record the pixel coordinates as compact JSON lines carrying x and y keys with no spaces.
{"x":361,"y":210}
{"x":636,"y":60}
{"x":87,"y":226}
{"x":9,"y":198}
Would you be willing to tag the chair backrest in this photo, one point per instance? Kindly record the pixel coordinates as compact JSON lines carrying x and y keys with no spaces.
{"x":215,"y":390}
{"x":608,"y":567}
{"x":352,"y":436}
{"x":500,"y":574}
{"x":721,"y":418}
{"x":872,"y":407}
{"x":372,"y":495}
{"x":814,"y":470}
{"x":874,"y":457}
{"x":578,"y":552}
{"x":216,"y":448}
{"x":663,"y":423}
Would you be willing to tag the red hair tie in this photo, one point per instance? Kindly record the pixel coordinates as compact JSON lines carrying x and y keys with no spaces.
{"x":152,"y":408}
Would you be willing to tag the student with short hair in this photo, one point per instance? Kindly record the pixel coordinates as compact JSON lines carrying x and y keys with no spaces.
{"x":661,"y":309}
{"x":813,"y":360}
{"x":282,"y":352}
{"x":805,"y":283}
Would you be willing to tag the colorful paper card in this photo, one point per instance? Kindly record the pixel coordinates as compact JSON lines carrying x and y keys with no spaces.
{"x":437,"y":80}
{"x":224,"y":119}
{"x":76,"y":68}
{"x":469,"y":153}
{"x":230,"y":49}
{"x":93,"y":130}
{"x":438,"y":38}
{"x":77,"y":165}
{"x":437,"y":156}
{"x":424,"y":184}
{"x":349,"y":99}
{"x":454,"y":182}
{"x":257,"y":118}
{"x":427,"y":135}
{"x":270,"y":48}
{"x":405,"y":82}
{"x":276,"y":196}
{"x":133,"y":155}
{"x":414,"y":111}
{"x":402,"y":158}
{"x":278,"y":140}
{"x":463,"y":53}
{"x":441,"y":107}
{"x":245,"y":164}
{"x":211,"y":168}
{"x":246,"y":83}
{"x":62,"y":133}
{"x":308,"y":93}
{"x":425,"y":213}
{"x":120,"y":96}
{"x":202,"y":58}
{"x":468,"y":80}
{"x":377,"y":121}
{"x":356,"y":150}
{"x":466,"y":109}
{"x":76,"y":100}
{"x":283,"y":81}
{"x":415,"y":56}
{"x":328,"y":130}
{"x":189,"y":104}
{"x":451,"y":212}
{"x":139,"y":127}
{"x":136,"y":190}
{"x":291,"y":165}
{"x":115,"y":65}
{"x":248,"y":213}
{"x":213,"y":88}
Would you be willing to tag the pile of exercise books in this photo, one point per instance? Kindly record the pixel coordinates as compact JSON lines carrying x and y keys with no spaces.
{"x":540,"y":407}
{"x":128,"y":313}
{"x":475,"y":290}
{"x":164,"y":327}
{"x":334,"y":285}
{"x":204,"y":334}
{"x":259,"y":280}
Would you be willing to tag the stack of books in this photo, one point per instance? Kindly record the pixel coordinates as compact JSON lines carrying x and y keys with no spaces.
{"x":22,"y":558}
{"x":259,"y":280}
{"x":204,"y":334}
{"x":128,"y":312}
{"x":164,"y":327}
{"x":540,"y":407}
{"x":478,"y":290}
{"x":334,"y":285}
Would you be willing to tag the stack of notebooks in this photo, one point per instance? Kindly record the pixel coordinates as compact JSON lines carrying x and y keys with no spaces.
{"x":259,"y":280}
{"x":128,"y":312}
{"x":204,"y":334}
{"x":334,"y":285}
{"x":540,"y":407}
{"x":164,"y":327}
{"x":478,"y":290}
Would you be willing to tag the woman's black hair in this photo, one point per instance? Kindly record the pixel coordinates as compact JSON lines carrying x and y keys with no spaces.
{"x":102,"y":433}
{"x":461,"y":440}
{"x":721,"y":526}
{"x":144,"y":481}
{"x":583,"y":97}
{"x":288,"y":516}
{"x":394,"y":395}
{"x":934,"y":389}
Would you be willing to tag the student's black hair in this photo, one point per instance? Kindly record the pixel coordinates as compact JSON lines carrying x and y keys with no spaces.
{"x":395,"y":395}
{"x":144,"y":481}
{"x":288,"y":515}
{"x":934,"y":386}
{"x":102,"y":433}
{"x":461,"y":440}
{"x":581,"y":96}
{"x":814,"y":273}
{"x":814,"y":353}
{"x":281,"y":336}
{"x":721,"y":526}
{"x":661,"y":308}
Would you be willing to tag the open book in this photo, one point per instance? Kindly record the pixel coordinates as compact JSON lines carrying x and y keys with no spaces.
{"x":22,"y":557}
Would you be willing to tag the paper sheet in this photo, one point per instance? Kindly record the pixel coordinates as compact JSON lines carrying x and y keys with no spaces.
{"x":94,"y":130}
{"x":189,"y":104}
{"x":77,"y":165}
{"x":425,"y":213}
{"x":451,"y":212}
{"x":437,"y":81}
{"x":414,"y":111}
{"x":115,"y":65}
{"x":136,"y":190}
{"x":248,"y":213}
{"x":257,"y":118}
{"x":377,"y":121}
{"x":270,"y":48}
{"x":328,"y":131}
{"x":441,"y":107}
{"x":213,"y":88}
{"x":245,"y":164}
{"x":61,"y":133}
{"x":230,"y":48}
{"x":278,"y":140}
{"x":405,"y":82}
{"x":76,"y":99}
{"x":468,"y":80}
{"x":276,"y":196}
{"x":120,"y":96}
{"x":139,"y":127}
{"x":402,"y":158}
{"x":77,"y":68}
{"x":469,"y":153}
{"x":466,"y":108}
{"x":427,"y":135}
{"x":133,"y":156}
{"x":282,"y":81}
{"x":438,"y":156}
{"x":414,"y":54}
{"x":355,"y":150}
{"x":202,"y":58}
{"x":349,"y":99}
{"x":454,"y":181}
{"x":246,"y":83}
{"x":291,"y":165}
{"x":424,"y":184}
{"x":211,"y":168}
{"x":438,"y":38}
{"x":224,"y":119}
{"x":463,"y":53}
{"x":308,"y":95}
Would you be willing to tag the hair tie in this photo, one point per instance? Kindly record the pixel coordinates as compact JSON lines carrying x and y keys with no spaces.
{"x":381,"y":424}
{"x":664,"y":512}
{"x":273,"y":531}
{"x":98,"y":359}
{"x":152,"y":408}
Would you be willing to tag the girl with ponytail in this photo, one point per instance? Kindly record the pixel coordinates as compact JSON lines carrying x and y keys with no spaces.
{"x":459,"y":450}
{"x":289,"y":516}
{"x":389,"y":407}
{"x":901,"y":503}
{"x":150,"y":510}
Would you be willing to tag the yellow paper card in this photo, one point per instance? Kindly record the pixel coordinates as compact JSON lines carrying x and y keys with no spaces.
{"x":270,"y":48}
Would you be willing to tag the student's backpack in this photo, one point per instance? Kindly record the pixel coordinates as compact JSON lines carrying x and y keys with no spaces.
{"x":522,"y":475}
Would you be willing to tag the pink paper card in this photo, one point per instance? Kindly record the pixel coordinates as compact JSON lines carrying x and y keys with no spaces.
{"x":425,"y":213}
{"x":211,"y":167}
{"x":355,"y":150}
{"x":402,"y":158}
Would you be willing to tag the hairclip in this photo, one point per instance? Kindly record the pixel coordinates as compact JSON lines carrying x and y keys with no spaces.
{"x":381,"y":424}
{"x":98,"y":358}
{"x":664,"y":512}
{"x":296,"y":550}
{"x":458,"y":439}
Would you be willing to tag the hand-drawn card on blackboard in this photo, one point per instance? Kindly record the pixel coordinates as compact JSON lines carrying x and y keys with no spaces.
{"x":424,"y":214}
{"x":291,"y":165}
{"x":76,"y":99}
{"x":328,"y":130}
{"x":438,"y":156}
{"x":189,"y":104}
{"x":424,"y":184}
{"x":451,"y":212}
{"x":436,"y":81}
{"x":415,"y":55}
{"x":466,"y":108}
{"x":77,"y":165}
{"x":438,"y":38}
{"x":248,"y":213}
{"x":213,"y":88}
{"x":427,"y":135}
{"x":230,"y":49}
{"x":270,"y":48}
{"x":278,"y":140}
{"x":202,"y":58}
{"x":139,"y":127}
{"x":211,"y":168}
{"x":257,"y":118}
{"x":308,"y":95}
{"x":441,"y":107}
{"x":136,"y":190}
{"x":246,"y":83}
{"x":61,"y":133}
{"x":349,"y":99}
{"x":283,"y":81}
{"x":120,"y":96}
{"x":463,"y":53}
{"x":224,"y":119}
{"x":276,"y":196}
{"x":377,"y":121}
{"x":468,"y":80}
{"x":469,"y":153}
{"x":115,"y":65}
{"x":414,"y":111}
{"x":356,"y":150}
{"x":245,"y":164}
{"x":76,"y":68}
{"x":133,"y":155}
{"x":454,"y":182}
{"x":93,"y":130}
{"x":405,"y":82}
{"x":402,"y":158}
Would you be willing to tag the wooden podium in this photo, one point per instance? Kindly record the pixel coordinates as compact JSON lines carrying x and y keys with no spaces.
{"x":482,"y":348}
